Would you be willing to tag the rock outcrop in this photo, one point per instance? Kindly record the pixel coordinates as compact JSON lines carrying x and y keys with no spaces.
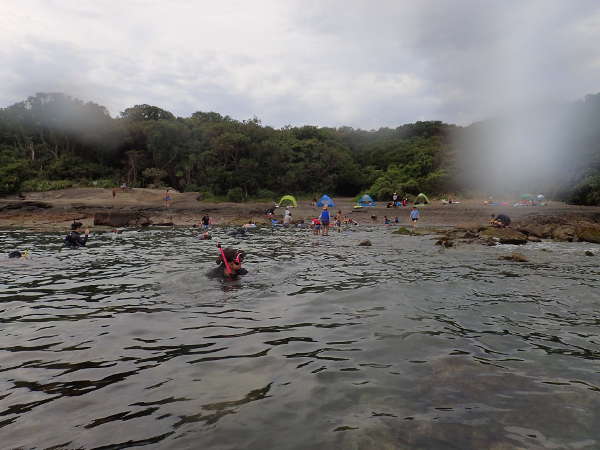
{"x":504,"y":235}
{"x":120,"y":219}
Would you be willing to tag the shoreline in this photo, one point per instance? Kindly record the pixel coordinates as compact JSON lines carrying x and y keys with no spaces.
{"x":56,"y":210}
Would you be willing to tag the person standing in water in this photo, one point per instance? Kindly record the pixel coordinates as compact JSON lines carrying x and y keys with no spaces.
{"x":414,"y":216}
{"x":167,"y":199}
{"x":74,"y":239}
{"x":325,"y":221}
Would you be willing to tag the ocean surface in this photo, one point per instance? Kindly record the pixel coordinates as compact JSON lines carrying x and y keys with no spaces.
{"x":324,"y":344}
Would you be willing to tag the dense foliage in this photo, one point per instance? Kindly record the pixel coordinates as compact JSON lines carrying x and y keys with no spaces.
{"x":52,"y":141}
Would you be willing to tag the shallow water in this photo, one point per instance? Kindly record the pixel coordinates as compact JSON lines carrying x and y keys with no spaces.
{"x":324,"y":344}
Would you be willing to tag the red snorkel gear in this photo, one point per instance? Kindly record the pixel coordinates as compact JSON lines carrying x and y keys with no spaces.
{"x":227,"y":268}
{"x":237,"y":260}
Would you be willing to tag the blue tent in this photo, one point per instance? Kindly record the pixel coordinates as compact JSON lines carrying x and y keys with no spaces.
{"x":325,"y":201}
{"x":366,"y":200}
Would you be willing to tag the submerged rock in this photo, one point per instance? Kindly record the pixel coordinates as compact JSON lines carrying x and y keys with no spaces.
{"x":504,"y":235}
{"x":588,"y":253}
{"x":445,"y":241}
{"x":515,"y":256}
{"x":402,"y":230}
{"x":365,"y":243}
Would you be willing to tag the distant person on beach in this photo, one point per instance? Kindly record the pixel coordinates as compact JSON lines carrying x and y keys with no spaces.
{"x":325,"y":220}
{"x":396,"y":220}
{"x":167,"y":199}
{"x":500,"y":221}
{"x":314,"y":202}
{"x":404,"y":201}
{"x":230,"y":264}
{"x":114,"y":193}
{"x":316,"y":226}
{"x":414,"y":216}
{"x":386,"y":221}
{"x":337,"y":221}
{"x":205,"y":222}
{"x":74,"y":239}
{"x":395,"y":199}
{"x":287,"y":217}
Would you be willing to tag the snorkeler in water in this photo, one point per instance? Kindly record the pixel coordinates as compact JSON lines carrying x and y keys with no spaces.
{"x":230,"y":264}
{"x":74,"y":239}
{"x":16,"y":254}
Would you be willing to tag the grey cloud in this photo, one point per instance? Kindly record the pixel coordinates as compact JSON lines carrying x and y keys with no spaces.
{"x":333,"y":63}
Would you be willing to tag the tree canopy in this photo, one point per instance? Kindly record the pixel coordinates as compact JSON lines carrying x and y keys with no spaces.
{"x":52,"y":140}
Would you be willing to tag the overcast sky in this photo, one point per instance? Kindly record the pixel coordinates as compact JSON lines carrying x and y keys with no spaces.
{"x":328,"y":63}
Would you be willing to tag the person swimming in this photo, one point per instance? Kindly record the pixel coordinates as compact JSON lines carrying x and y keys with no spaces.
{"x":17,"y":254}
{"x":230,"y":264}
{"x":74,"y":239}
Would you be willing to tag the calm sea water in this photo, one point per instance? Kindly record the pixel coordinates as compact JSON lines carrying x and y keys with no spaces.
{"x":324,"y":344}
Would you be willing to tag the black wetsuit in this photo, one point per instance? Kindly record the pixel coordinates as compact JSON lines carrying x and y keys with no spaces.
{"x":74,"y":239}
{"x":504,"y":219}
{"x":219,"y":272}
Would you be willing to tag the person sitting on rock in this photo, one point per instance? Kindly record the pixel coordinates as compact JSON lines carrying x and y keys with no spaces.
{"x":74,"y":239}
{"x":500,"y":221}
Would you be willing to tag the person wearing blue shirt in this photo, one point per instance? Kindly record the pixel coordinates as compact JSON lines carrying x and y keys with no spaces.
{"x":414,"y":216}
{"x":325,"y":221}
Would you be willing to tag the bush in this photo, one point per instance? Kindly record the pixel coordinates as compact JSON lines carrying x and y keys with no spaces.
{"x":42,"y":185}
{"x":191,"y":188}
{"x":265,"y":194}
{"x":12,"y":175}
{"x":587,"y":192}
{"x":105,"y":183}
{"x":235,"y":195}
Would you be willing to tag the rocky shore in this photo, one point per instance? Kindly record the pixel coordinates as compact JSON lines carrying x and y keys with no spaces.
{"x":464,"y":222}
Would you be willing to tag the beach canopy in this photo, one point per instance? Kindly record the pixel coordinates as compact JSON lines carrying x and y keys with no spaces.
{"x":325,"y":201}
{"x":421,"y":198}
{"x":288,"y":200}
{"x":366,"y":200}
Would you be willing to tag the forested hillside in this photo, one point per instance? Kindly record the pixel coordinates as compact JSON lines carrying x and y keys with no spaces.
{"x":52,"y":141}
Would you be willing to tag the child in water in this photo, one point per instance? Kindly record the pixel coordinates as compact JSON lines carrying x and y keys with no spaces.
{"x":316,"y":226}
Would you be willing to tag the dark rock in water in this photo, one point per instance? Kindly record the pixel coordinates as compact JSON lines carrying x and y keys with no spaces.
{"x":120,"y":219}
{"x":589,"y":233}
{"x":402,"y":230}
{"x":445,"y":241}
{"x":504,"y":235}
{"x":564,"y":233}
{"x":365,"y":243}
{"x":588,"y":253}
{"x":469,"y":235}
{"x":15,"y":254}
{"x":26,"y":205}
{"x":515,"y":256}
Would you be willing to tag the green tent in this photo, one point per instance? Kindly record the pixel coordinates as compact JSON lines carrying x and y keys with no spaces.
{"x":421,"y":198}
{"x":288,"y":200}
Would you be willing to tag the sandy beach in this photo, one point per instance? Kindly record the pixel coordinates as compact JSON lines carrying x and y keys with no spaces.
{"x":55,"y":210}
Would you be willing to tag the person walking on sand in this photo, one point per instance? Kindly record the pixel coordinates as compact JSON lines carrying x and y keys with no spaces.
{"x":167,"y":199}
{"x":414,"y":216}
{"x":325,"y":221}
{"x":114,"y":192}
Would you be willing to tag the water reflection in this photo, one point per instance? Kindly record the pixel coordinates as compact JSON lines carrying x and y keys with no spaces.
{"x":126,"y":343}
